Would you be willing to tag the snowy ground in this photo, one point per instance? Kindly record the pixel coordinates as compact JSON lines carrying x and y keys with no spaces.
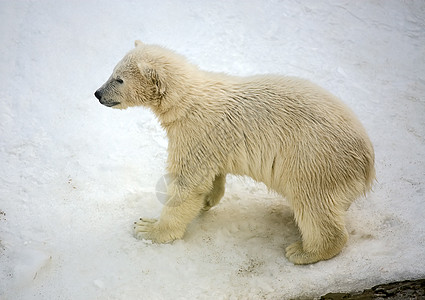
{"x":74,"y":174}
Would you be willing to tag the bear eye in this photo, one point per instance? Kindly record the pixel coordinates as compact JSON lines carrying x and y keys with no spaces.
{"x":119,"y":80}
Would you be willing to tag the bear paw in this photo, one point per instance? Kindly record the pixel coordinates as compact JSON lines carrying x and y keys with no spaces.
{"x":150,"y":229}
{"x":296,"y":254}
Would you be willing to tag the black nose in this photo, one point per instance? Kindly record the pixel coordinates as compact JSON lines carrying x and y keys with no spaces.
{"x":98,"y":94}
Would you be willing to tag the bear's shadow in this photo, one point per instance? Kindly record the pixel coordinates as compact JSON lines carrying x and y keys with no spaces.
{"x":264,"y":220}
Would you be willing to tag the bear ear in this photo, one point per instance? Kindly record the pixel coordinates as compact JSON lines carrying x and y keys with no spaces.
{"x":137,"y":43}
{"x":154,"y":76}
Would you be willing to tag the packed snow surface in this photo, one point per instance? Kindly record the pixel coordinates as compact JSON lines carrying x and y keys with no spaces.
{"x":75,"y":175}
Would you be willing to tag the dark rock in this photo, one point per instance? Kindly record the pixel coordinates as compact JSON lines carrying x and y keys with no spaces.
{"x":402,"y":290}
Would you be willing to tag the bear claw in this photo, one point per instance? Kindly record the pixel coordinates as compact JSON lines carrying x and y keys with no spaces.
{"x":296,"y":254}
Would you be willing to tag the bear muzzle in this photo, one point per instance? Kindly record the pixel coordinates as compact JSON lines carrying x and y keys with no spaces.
{"x":98,"y":94}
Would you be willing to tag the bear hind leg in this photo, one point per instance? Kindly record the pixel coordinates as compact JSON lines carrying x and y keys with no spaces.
{"x":323,"y":234}
{"x":217,"y":192}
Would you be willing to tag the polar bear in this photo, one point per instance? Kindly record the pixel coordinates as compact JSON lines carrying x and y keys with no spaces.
{"x":290,"y":134}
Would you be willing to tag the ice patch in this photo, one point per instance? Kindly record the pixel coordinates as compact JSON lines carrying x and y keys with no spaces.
{"x":28,"y":263}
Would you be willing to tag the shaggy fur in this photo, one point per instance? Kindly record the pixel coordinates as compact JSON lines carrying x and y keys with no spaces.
{"x":298,"y":139}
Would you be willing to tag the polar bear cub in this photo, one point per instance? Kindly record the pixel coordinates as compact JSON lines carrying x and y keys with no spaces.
{"x":297,"y":138}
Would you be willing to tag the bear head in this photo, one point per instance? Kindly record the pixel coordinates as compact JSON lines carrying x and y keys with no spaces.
{"x":138,"y":79}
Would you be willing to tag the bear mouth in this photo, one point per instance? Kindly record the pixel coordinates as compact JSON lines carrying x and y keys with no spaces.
{"x":110,"y":104}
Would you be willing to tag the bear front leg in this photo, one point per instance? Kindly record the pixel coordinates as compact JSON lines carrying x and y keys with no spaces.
{"x":181,"y":208}
{"x":217,"y":192}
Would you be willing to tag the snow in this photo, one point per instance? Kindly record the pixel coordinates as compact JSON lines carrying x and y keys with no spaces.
{"x":75,"y":175}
